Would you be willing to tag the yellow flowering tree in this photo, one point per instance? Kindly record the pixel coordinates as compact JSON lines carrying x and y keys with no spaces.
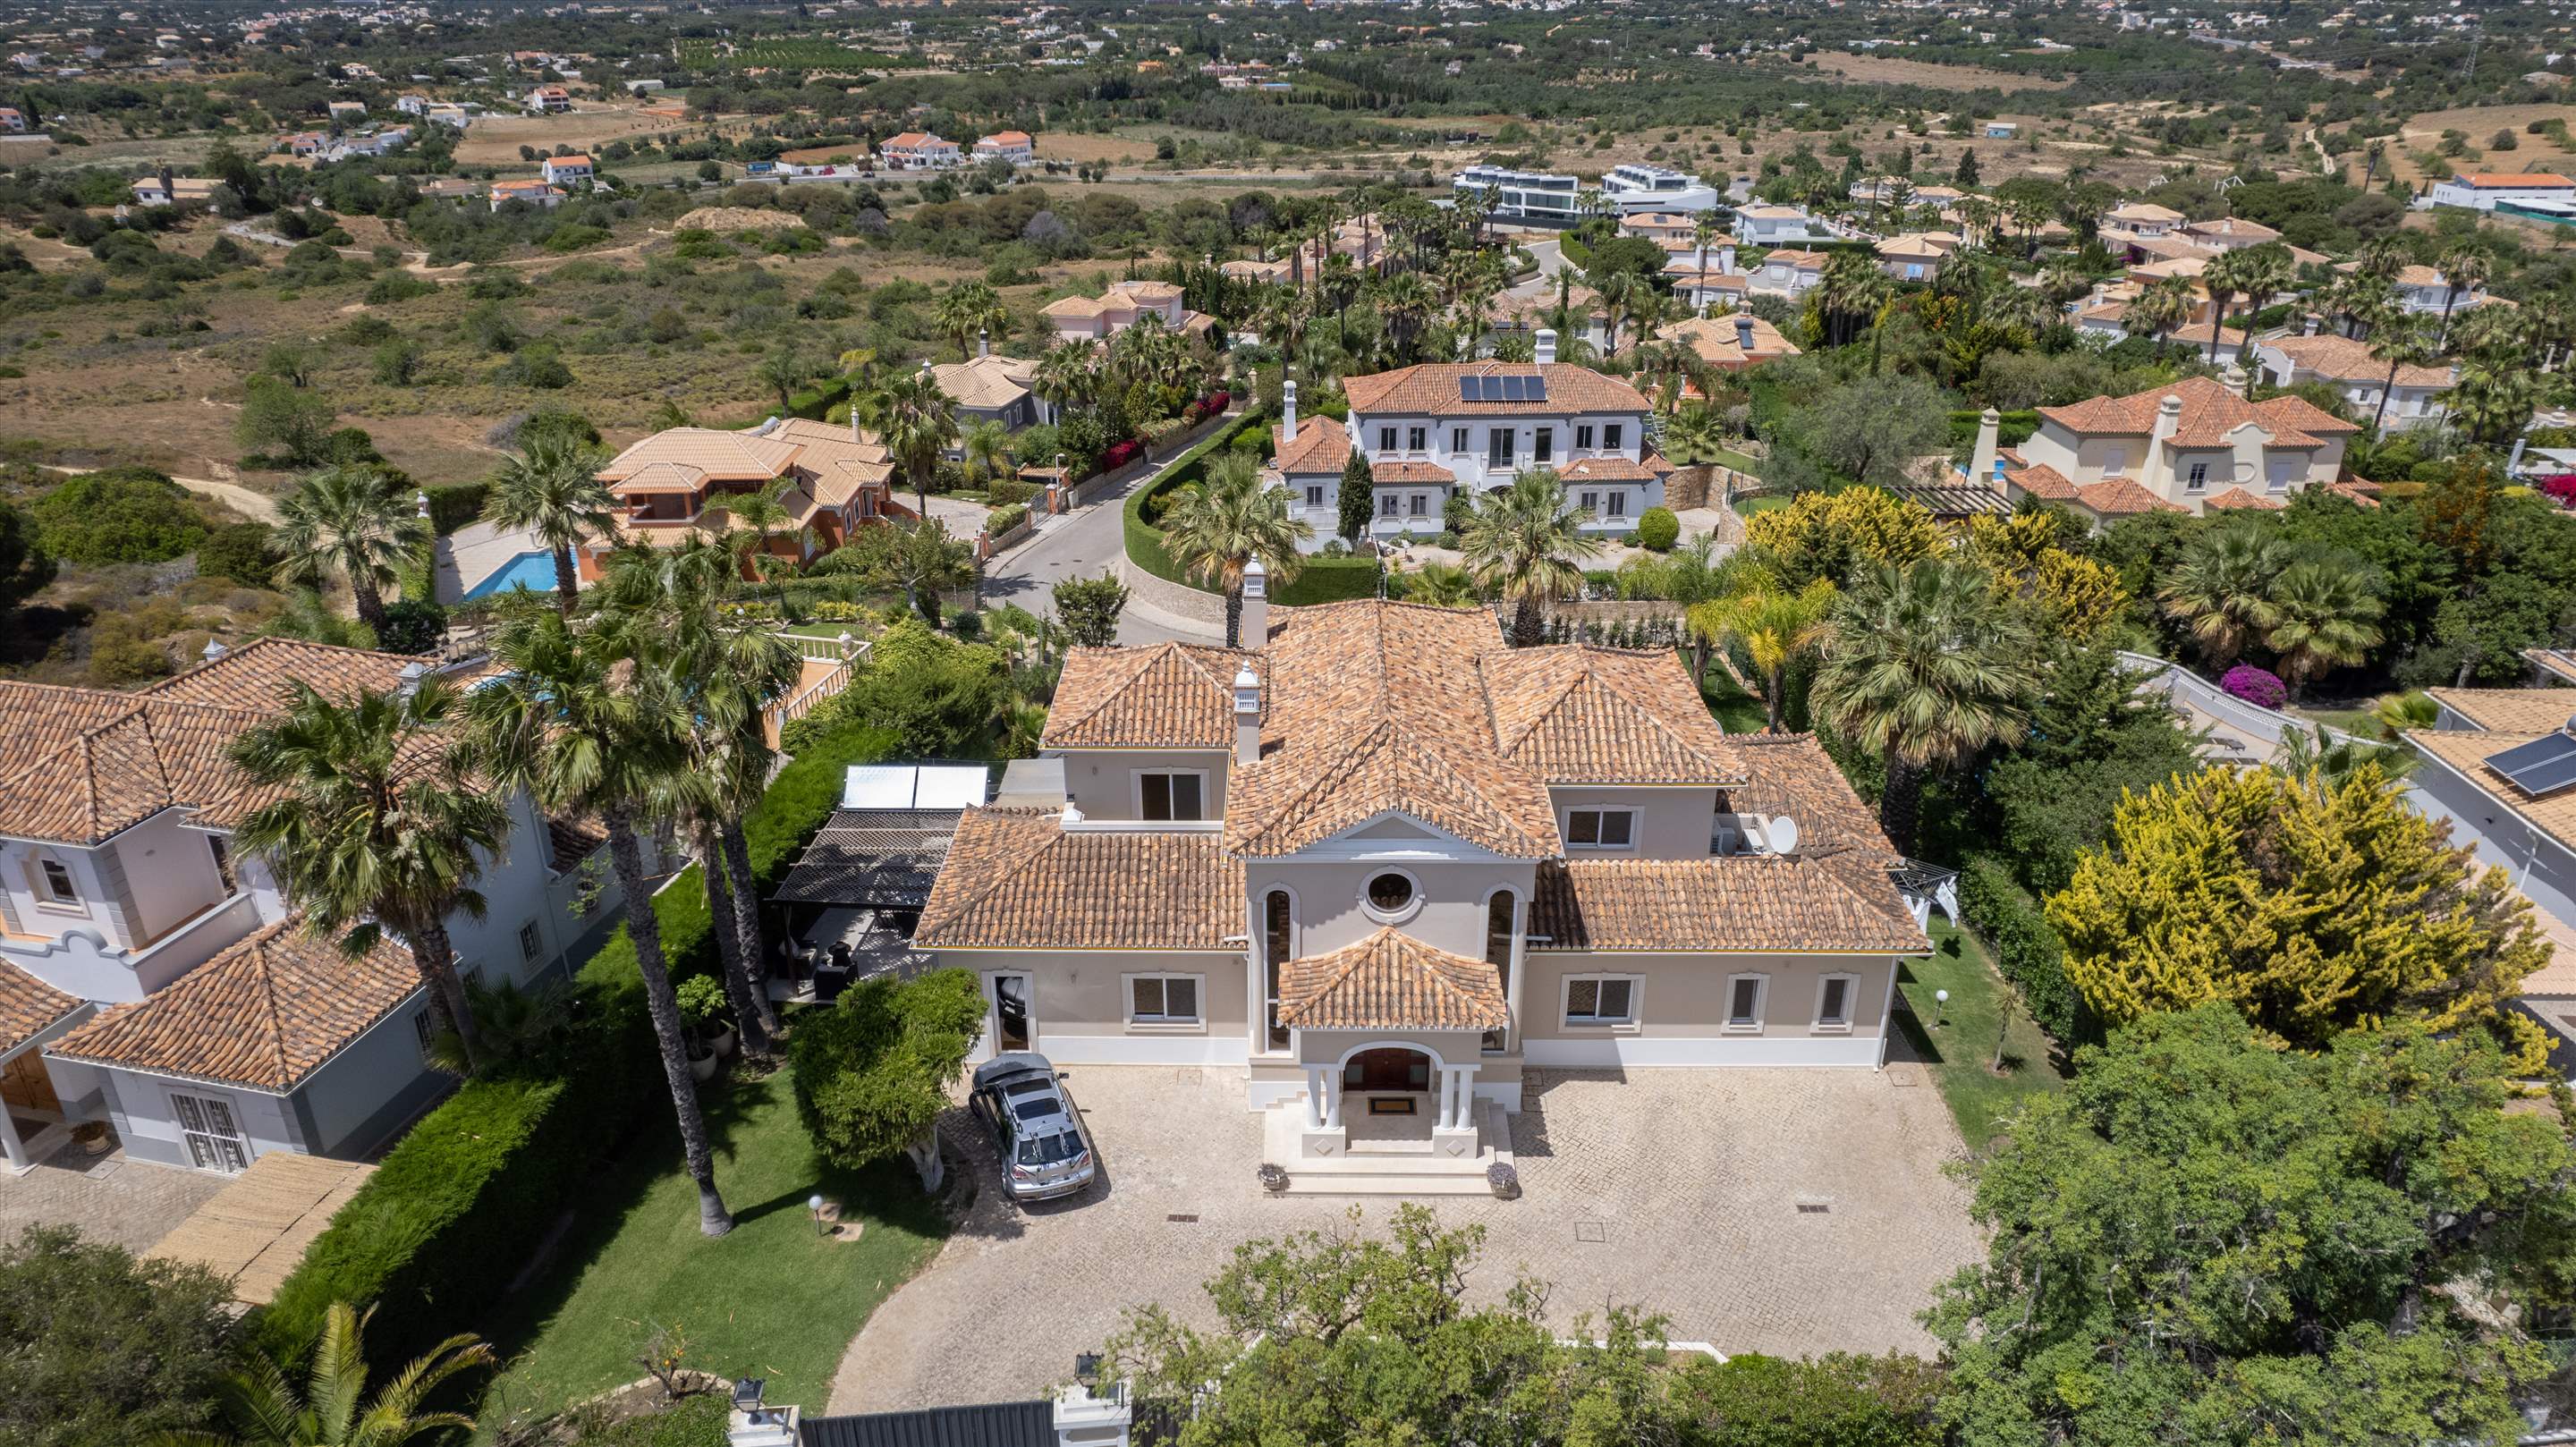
{"x":2077,"y":597}
{"x":2312,"y":905}
{"x":2071,"y":596}
{"x":1835,"y":534}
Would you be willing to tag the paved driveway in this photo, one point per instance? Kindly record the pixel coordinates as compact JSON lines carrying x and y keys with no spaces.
{"x":1085,"y":543}
{"x":1675,"y":1190}
{"x":110,"y":1198}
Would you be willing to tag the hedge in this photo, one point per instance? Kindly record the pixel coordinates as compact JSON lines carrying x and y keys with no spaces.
{"x":1328,"y":580}
{"x":437,"y":1233}
{"x":456,"y":504}
{"x":1144,"y":539}
{"x":2026,"y":948}
{"x":2014,"y":430}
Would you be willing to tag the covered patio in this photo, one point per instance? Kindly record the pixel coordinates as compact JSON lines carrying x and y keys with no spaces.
{"x":33,"y":1121}
{"x":855,"y":894}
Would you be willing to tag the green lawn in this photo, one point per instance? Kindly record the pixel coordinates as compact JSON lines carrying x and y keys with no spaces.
{"x":1959,"y":1037}
{"x":1727,"y":457}
{"x":1739,"y":711}
{"x":1748,"y":506}
{"x":2363,"y":720}
{"x":771,"y":1299}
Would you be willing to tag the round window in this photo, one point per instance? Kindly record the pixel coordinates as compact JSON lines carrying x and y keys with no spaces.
{"x":1389,"y":893}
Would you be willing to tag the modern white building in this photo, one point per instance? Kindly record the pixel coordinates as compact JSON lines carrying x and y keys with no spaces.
{"x":1636,"y":186}
{"x":1017,"y":147}
{"x":1521,"y":195}
{"x":1779,"y":226}
{"x":2482,"y":190}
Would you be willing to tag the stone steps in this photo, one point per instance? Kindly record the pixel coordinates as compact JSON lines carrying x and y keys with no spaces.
{"x":1379,"y":1172}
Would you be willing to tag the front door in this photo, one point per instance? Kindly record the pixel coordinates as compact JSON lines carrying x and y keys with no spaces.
{"x":1015,"y":1026}
{"x":1387,"y":1070}
{"x":214,"y":1141}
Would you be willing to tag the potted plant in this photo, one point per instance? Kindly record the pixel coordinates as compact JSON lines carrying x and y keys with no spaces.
{"x":702,"y":1005}
{"x":1505,"y":1180}
{"x":1273,"y":1179}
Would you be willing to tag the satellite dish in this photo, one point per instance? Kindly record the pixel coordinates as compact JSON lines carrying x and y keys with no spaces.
{"x":1783,"y":834}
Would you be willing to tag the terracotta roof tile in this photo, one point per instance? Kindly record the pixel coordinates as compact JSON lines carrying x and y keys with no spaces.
{"x":986,"y":382}
{"x":1320,"y":446}
{"x":1017,"y":879}
{"x":1576,"y":714}
{"x":1614,"y":469}
{"x":1167,"y":696}
{"x":2364,"y":493}
{"x":720,"y":455}
{"x":2343,"y":359}
{"x":2465,"y":752}
{"x":265,"y":1013}
{"x":1391,"y":473}
{"x":2120,"y":497}
{"x":1739,"y":902}
{"x":28,"y":1006}
{"x":2209,"y":412}
{"x":1716,"y":340}
{"x":1431,"y":389}
{"x":2532,"y":711}
{"x":1391,"y":981}
{"x":2042,"y":481}
{"x":2237,"y":498}
{"x":1792,"y":774}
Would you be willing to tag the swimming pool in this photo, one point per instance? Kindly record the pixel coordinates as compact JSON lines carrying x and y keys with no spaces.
{"x":532,"y":571}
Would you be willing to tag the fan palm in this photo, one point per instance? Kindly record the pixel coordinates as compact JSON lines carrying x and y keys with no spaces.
{"x":2399,"y":712}
{"x":1217,"y":532}
{"x":2160,"y":308}
{"x":1851,"y":289}
{"x":2495,"y":397}
{"x":2401,"y":339}
{"x":551,"y":491}
{"x":2221,"y":590}
{"x":970,"y":308}
{"x":1927,"y":668}
{"x":374,"y":824}
{"x":917,"y":423}
{"x":1443,"y":585}
{"x":353,"y":521}
{"x":2464,"y":269}
{"x":2308,"y":750}
{"x":2327,"y":616}
{"x":593,"y":722}
{"x":986,"y":445}
{"x":2227,"y":277}
{"x":1068,"y":373}
{"x":763,"y":514}
{"x":1526,"y":544}
{"x":334,"y":1409}
{"x":1774,"y":628}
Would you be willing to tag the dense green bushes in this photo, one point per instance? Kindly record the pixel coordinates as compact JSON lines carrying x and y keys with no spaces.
{"x":1328,"y":580}
{"x":442,"y":1226}
{"x":117,"y":515}
{"x":2026,"y":948}
{"x":453,"y":506}
{"x":1146,"y":504}
{"x":2013,"y":430}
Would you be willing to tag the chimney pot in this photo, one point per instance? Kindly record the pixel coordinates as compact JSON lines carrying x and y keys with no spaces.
{"x":1288,"y":410}
{"x":1546,"y":351}
{"x":984,"y":343}
{"x":1247,"y":713}
{"x":214,"y":649}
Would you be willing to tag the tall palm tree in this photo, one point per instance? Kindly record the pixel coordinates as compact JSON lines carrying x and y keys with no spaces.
{"x":334,"y":1409}
{"x":551,"y":490}
{"x":2264,"y":272}
{"x":2326,"y":616}
{"x":1525,"y":543}
{"x":2401,"y":339}
{"x":969,"y":309}
{"x":354,"y":521}
{"x":1215,"y":533}
{"x":917,"y":422}
{"x":1407,"y":304}
{"x":1068,"y":373}
{"x":1774,"y":628}
{"x":594,"y":722}
{"x":2495,"y":397}
{"x":1927,"y":668}
{"x":2465,"y":268}
{"x":2221,"y":589}
{"x":1622,"y":293}
{"x":374,"y":824}
{"x":2227,"y":277}
{"x":2160,"y":308}
{"x":1851,"y":288}
{"x":986,"y":444}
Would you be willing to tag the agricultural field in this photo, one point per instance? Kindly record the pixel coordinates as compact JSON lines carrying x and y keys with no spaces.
{"x":495,"y":140}
{"x":1889,"y":70}
{"x":803,"y":53}
{"x":2479,"y":123}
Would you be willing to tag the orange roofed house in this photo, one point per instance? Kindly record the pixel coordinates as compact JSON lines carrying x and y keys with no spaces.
{"x":1098,"y":318}
{"x":153,"y":975}
{"x":830,"y":480}
{"x":2193,"y":446}
{"x":1380,"y":863}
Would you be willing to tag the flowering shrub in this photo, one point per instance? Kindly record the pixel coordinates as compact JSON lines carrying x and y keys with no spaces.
{"x":2560,"y":489}
{"x":1119,"y":454}
{"x":2257,"y":686}
{"x":1215,"y":402}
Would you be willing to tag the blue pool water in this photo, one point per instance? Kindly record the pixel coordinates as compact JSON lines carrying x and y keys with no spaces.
{"x":532,"y":571}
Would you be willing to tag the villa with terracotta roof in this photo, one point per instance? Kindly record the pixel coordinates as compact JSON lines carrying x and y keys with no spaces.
{"x":2497,"y":766}
{"x":1098,"y":318}
{"x":1789,"y":272}
{"x":1446,"y":429}
{"x":987,"y":388}
{"x":831,"y":479}
{"x":1016,"y":147}
{"x":1380,"y":863}
{"x":1731,"y":344}
{"x":2193,"y":446}
{"x":2414,"y":394}
{"x":917,"y":151}
{"x":153,"y":976}
{"x":567,"y":171}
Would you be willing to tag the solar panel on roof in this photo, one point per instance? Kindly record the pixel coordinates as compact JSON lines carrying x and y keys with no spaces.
{"x":1467,"y":388}
{"x":1538,"y":388}
{"x":1511,"y":388}
{"x":2539,"y":767}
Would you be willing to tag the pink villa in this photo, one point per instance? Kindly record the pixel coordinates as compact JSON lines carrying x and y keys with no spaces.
{"x":1098,"y":318}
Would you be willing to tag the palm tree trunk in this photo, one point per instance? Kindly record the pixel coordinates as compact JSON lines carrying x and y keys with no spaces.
{"x":725,"y":926}
{"x":1900,"y":808}
{"x":1529,"y":630}
{"x":371,"y":604}
{"x":434,"y":956}
{"x":644,"y":931}
{"x":567,"y":578}
{"x":1234,"y":617}
{"x":2217,"y":322}
{"x":746,"y":912}
{"x":1775,"y":696}
{"x":2380,"y":414}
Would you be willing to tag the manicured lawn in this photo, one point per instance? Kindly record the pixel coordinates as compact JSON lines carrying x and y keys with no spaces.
{"x":1749,"y":506}
{"x":2363,"y":720}
{"x":771,"y":1299}
{"x":1729,"y":458}
{"x":1959,"y":1037}
{"x":1739,"y":712}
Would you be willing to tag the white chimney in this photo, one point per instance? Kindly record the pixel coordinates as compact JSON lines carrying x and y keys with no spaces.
{"x":1247,"y":713}
{"x":2308,"y":324}
{"x":2235,"y":380}
{"x":409,"y":679}
{"x":2151,"y":469}
{"x":1082,"y":1419}
{"x":1288,"y":411}
{"x":1983,"y":463}
{"x":1726,"y":259}
{"x":983,"y":344}
{"x":420,"y":501}
{"x":214,"y":650}
{"x":1256,"y":605}
{"x":1546,"y":346}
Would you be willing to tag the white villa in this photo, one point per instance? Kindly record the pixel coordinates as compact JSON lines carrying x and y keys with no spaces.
{"x":1778,"y":226}
{"x":2190,"y":447}
{"x":2483,"y":190}
{"x":1518,"y":195}
{"x":1789,"y":272}
{"x":917,"y":151}
{"x":1637,"y":186}
{"x":1444,"y":429}
{"x":1380,"y":864}
{"x":153,"y":976}
{"x":1017,"y":147}
{"x":2414,"y":398}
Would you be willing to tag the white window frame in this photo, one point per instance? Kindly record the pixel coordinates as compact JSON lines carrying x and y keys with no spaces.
{"x":1851,"y":996}
{"x":1567,"y":1019}
{"x":1614,"y":436}
{"x":1542,"y":446}
{"x":1417,"y":440}
{"x":1136,"y":788}
{"x":532,"y":941}
{"x":1385,"y":440}
{"x":1458,"y":445}
{"x":68,"y":897}
{"x":1565,"y":827}
{"x":1761,"y":1003}
{"x":206,"y":1107}
{"x":1583,"y":437}
{"x":1164,"y":1024}
{"x":2196,"y":479}
{"x":1615,"y":503}
{"x":1386,"y":506}
{"x":1314,"y":495}
{"x":1588,"y":501}
{"x":1412,"y":904}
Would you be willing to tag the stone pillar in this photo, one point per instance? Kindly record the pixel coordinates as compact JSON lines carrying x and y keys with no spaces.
{"x":1315,"y":1097}
{"x":1332,"y":1100}
{"x":12,"y":1147}
{"x":1448,"y":1100}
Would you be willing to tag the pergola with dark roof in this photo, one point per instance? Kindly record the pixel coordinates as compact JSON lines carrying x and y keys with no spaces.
{"x":872,"y":858}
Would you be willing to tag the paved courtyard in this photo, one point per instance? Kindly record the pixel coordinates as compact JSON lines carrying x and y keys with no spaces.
{"x":110,"y":1198}
{"x":1678,"y":1191}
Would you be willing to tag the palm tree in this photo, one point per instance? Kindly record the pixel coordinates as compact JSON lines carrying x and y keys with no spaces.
{"x":2221,"y":589}
{"x":1927,"y":668}
{"x":2464,"y":269}
{"x":1852,"y":287}
{"x":917,"y":423}
{"x":2160,"y":308}
{"x":1526,"y":544}
{"x":1622,"y":293}
{"x":374,"y":824}
{"x":2308,"y":750}
{"x":350,"y":520}
{"x":1068,"y":373}
{"x":2264,"y":272}
{"x":1407,"y":304}
{"x":595,"y":723}
{"x":2495,"y":398}
{"x":968,"y":309}
{"x":334,"y":1409}
{"x":2227,"y":276}
{"x":987,"y":448}
{"x":551,"y":491}
{"x":1773,"y":628}
{"x":2326,"y":616}
{"x":2399,"y":712}
{"x":1443,"y":585}
{"x":1215,"y":533}
{"x":2401,"y":339}
{"x":783,"y":371}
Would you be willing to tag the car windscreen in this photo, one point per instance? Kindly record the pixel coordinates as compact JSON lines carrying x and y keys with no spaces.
{"x":1049,"y":1150}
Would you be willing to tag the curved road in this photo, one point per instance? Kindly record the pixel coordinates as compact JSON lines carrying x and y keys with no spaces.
{"x":1084,"y":543}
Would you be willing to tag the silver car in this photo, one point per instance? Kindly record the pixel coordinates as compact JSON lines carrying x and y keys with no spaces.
{"x":1045,"y":1151}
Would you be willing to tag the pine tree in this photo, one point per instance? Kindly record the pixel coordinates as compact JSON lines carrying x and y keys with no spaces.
{"x":1358,"y":499}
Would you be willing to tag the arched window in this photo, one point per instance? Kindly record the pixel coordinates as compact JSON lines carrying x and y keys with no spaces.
{"x":1502,"y":909}
{"x":1278,"y":939}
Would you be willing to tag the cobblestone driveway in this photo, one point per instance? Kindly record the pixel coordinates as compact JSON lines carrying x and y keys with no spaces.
{"x":1692,"y":1178}
{"x":132,"y":1203}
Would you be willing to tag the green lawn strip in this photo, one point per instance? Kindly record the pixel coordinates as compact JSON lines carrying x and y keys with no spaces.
{"x":771,"y":1299}
{"x":1959,"y":1037}
{"x":2361,"y":721}
{"x":1748,"y":506}
{"x":1739,"y":712}
{"x":1739,"y":461}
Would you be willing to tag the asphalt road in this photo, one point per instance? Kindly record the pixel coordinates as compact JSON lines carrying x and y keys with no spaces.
{"x":1084,"y":543}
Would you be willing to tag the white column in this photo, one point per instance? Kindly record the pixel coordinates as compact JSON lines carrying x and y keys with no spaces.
{"x":1448,"y":1098}
{"x":1314,"y":1097}
{"x":14,"y":1148}
{"x":1333,"y":1099}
